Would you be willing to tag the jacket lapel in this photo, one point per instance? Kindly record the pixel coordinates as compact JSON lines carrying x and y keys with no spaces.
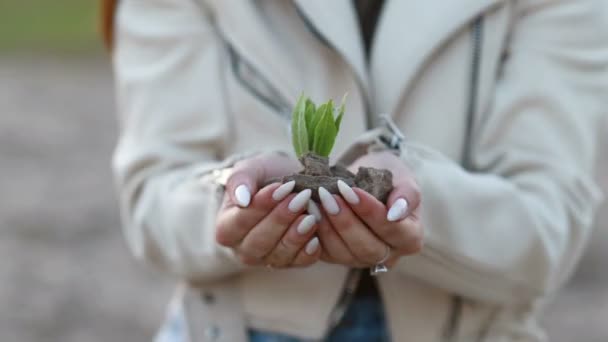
{"x":337,"y":24}
{"x":408,"y":33}
{"x":241,"y":25}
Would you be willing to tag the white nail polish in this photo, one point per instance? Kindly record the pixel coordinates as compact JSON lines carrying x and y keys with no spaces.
{"x":242,"y":195}
{"x":328,"y":201}
{"x":312,"y":246}
{"x":347,"y":192}
{"x":283,"y":190}
{"x":300,"y":201}
{"x":306,"y":224}
{"x":313,"y":209}
{"x":397,"y":210}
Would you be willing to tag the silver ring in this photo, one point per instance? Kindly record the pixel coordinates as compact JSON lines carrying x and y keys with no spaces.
{"x":380,"y":267}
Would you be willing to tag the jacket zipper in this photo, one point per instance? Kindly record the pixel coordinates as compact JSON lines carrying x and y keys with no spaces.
{"x":450,"y":330}
{"x":473,"y":85}
{"x":271,"y":97}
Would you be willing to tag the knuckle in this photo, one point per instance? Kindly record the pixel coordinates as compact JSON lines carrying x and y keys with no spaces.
{"x":414,"y":247}
{"x":246,"y":165}
{"x":416,"y":241}
{"x":417,"y":233}
{"x":291,"y":243}
{"x":248,"y":260}
{"x":368,"y":255}
{"x":364,"y":209}
{"x":305,"y":261}
{"x":343,"y":223}
{"x":326,"y":258}
{"x":222,"y":236}
{"x":416,"y":194}
{"x":257,"y":246}
{"x":280,"y":257}
{"x":281,"y":214}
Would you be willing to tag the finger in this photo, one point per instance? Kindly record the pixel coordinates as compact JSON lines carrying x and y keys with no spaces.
{"x":292,"y":242}
{"x":234,"y":222}
{"x":248,"y":174}
{"x":249,"y":260}
{"x":265,"y":235}
{"x":403,"y":200}
{"x":313,"y":209}
{"x":309,"y":254}
{"x":361,"y":242}
{"x":243,"y":182}
{"x":404,"y":235}
{"x":334,"y":249}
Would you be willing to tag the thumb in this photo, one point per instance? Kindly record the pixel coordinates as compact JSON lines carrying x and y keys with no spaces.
{"x":243,"y":182}
{"x":403,"y":200}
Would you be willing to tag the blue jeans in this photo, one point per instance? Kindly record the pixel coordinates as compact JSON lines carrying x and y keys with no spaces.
{"x":363,"y":321}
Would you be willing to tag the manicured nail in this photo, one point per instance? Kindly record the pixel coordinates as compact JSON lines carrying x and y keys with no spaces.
{"x":242,"y":195}
{"x":312,"y":246}
{"x":284,"y":190}
{"x":347,"y":192}
{"x":313,"y":209}
{"x":300,"y":201}
{"x":328,"y":201}
{"x":397,"y":210}
{"x":306,"y":224}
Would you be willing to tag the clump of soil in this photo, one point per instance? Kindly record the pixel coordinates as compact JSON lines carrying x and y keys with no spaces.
{"x":317,"y":173}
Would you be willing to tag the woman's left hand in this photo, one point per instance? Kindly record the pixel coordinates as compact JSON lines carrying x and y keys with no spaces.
{"x":357,"y":230}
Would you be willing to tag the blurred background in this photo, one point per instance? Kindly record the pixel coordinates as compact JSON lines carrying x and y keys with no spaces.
{"x":65,"y":272}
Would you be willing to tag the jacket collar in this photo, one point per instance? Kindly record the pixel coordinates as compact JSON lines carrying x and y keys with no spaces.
{"x":337,"y":25}
{"x":240,"y":24}
{"x":407,"y":34}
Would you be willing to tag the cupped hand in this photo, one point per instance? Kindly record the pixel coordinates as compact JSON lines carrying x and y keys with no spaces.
{"x":267,"y":226}
{"x":359,"y":231}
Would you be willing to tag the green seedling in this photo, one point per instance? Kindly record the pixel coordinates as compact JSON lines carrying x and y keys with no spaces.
{"x":315,"y":128}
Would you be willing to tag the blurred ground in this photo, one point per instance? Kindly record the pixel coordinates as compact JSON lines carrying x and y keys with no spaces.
{"x":65,"y":273}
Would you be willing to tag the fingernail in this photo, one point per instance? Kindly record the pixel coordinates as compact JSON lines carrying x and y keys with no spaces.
{"x":314,"y":210}
{"x":328,"y":201}
{"x":242,"y":195}
{"x":397,"y":210}
{"x":284,"y":190}
{"x":347,"y":192}
{"x":306,"y":224}
{"x":312,"y":246}
{"x":298,"y":202}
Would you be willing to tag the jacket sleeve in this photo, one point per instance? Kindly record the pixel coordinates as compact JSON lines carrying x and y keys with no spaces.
{"x":168,"y":65}
{"x":512,"y":228}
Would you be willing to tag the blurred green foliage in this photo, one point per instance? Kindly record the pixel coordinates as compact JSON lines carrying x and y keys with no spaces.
{"x":56,"y":26}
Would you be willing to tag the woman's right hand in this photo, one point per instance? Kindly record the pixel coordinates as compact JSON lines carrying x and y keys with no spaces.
{"x":267,"y":227}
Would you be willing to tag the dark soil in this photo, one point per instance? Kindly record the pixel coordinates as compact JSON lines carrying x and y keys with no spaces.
{"x":317,"y":173}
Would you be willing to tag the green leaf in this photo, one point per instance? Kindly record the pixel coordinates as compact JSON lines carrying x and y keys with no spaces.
{"x":341,"y":112}
{"x":316,"y":117}
{"x":325,"y":131}
{"x":315,"y":128}
{"x":299,"y":134}
{"x":310,"y":120}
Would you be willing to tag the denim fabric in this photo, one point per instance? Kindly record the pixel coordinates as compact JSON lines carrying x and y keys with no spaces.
{"x":363,"y":321}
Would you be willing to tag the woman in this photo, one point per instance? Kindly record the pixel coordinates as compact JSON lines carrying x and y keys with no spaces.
{"x":499,"y":102}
